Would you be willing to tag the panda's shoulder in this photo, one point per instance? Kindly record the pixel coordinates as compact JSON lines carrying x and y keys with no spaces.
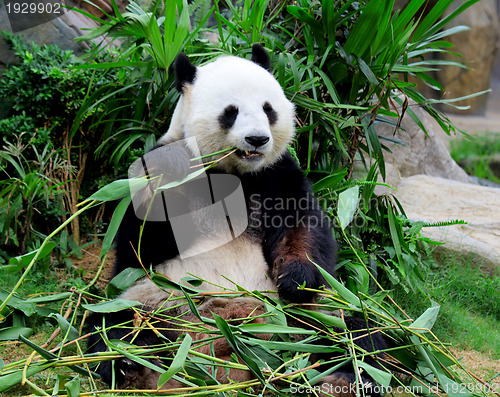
{"x":281,"y":179}
{"x":286,"y":170}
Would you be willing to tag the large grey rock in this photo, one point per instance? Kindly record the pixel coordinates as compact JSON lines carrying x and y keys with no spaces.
{"x":432,"y":199}
{"x":419,"y":152}
{"x":432,"y":187}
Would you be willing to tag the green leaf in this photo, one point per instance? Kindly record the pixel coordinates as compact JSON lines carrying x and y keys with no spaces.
{"x":231,"y":340}
{"x":359,"y":278}
{"x":177,"y":362}
{"x":27,"y":307}
{"x":50,"y":298}
{"x":337,"y":286}
{"x":116,"y":220}
{"x":12,"y":333}
{"x":24,"y":260}
{"x":65,"y":326}
{"x":123,"y":281}
{"x":163,"y":282}
{"x":394,"y":232}
{"x":119,"y":189}
{"x":73,"y":387}
{"x":427,"y":319}
{"x":14,"y":378}
{"x":111,"y":306}
{"x":301,"y":347}
{"x":348,"y":202}
{"x":257,"y":328}
{"x":330,"y":182}
{"x":51,"y":356}
{"x":383,"y":378}
{"x":323,"y":318}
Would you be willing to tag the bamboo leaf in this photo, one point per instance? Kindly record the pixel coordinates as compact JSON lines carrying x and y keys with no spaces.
{"x":50,"y":298}
{"x":383,"y":378}
{"x":227,"y":333}
{"x":24,"y":260}
{"x":73,"y":387}
{"x":119,"y":189}
{"x":323,"y":318}
{"x":427,"y":319}
{"x":337,"y":286}
{"x":12,"y":333}
{"x":177,"y":362}
{"x":111,"y":306}
{"x":65,"y":326}
{"x":114,"y":224}
{"x":123,"y":281}
{"x":348,"y":202}
{"x":330,"y":181}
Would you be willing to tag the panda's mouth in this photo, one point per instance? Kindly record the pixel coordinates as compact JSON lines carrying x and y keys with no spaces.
{"x":249,"y":155}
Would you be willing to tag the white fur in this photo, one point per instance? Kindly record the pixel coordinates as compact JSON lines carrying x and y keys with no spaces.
{"x":240,"y":261}
{"x":246,"y":85}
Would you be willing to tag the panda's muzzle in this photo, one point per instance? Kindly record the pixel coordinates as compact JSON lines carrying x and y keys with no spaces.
{"x":255,"y":141}
{"x":249,"y":155}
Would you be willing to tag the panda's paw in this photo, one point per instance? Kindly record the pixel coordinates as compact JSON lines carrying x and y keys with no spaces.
{"x":295,"y":274}
{"x":343,"y":384}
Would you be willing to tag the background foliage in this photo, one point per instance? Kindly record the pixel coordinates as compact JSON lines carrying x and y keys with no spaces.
{"x":94,"y":116}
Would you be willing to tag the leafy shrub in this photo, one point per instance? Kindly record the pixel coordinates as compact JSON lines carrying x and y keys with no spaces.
{"x":29,"y":186}
{"x":44,"y":94}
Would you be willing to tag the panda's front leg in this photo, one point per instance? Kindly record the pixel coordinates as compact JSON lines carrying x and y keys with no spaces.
{"x":292,"y":251}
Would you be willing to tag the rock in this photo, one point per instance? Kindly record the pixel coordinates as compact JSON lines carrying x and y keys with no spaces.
{"x":417,"y":152}
{"x":479,"y":49}
{"x":432,"y":187}
{"x":432,"y":199}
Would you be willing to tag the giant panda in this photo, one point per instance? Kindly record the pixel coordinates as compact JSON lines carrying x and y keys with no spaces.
{"x":228,"y":103}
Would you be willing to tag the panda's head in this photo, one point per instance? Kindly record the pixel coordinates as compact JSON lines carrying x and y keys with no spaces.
{"x":233,"y":102}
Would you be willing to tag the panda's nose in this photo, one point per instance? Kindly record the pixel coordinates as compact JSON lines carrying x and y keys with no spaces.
{"x":257,"y":140}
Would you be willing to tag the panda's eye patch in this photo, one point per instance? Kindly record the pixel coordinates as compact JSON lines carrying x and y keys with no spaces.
{"x":228,"y":117}
{"x":271,"y":114}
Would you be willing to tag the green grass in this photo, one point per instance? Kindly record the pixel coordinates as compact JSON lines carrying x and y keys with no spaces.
{"x":485,"y":144}
{"x":470,"y":306}
{"x":474,"y":152}
{"x":35,"y":283}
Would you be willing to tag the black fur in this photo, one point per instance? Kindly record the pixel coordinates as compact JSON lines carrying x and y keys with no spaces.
{"x":185,"y":71}
{"x":271,"y":114}
{"x":118,"y":326}
{"x":261,"y":57}
{"x":284,"y":182}
{"x":228,"y":117}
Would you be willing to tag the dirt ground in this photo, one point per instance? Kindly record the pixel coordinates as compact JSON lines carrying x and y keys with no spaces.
{"x":90,"y":264}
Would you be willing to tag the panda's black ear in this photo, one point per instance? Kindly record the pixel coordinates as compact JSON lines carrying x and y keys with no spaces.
{"x":261,"y":57}
{"x":185,"y":71}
